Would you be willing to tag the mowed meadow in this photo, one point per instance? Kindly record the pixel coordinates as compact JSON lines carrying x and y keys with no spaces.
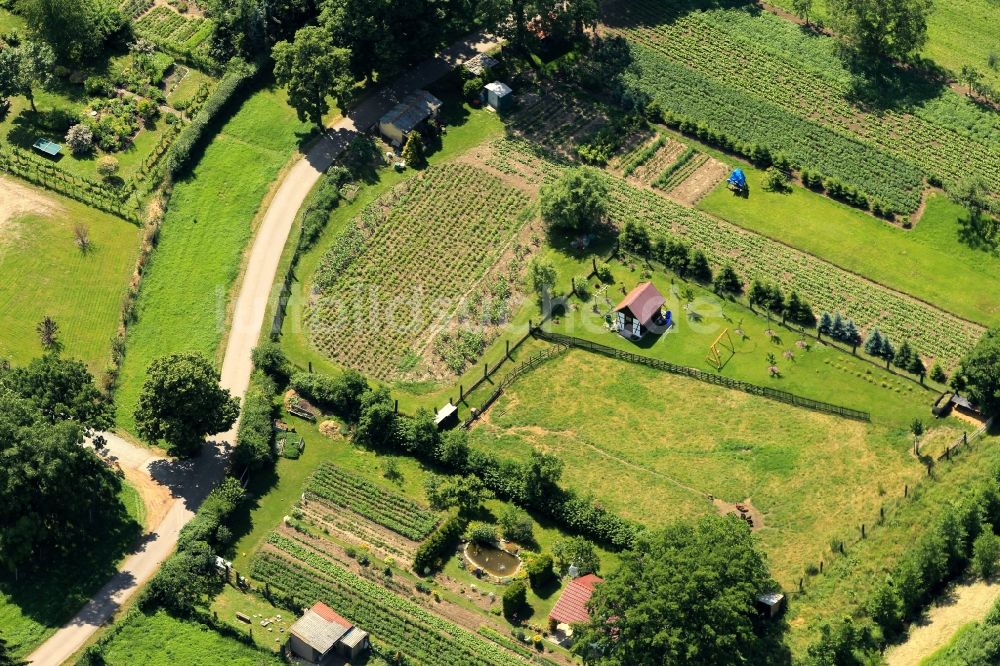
{"x":653,"y":447}
{"x":182,"y":306}
{"x":44,"y":272}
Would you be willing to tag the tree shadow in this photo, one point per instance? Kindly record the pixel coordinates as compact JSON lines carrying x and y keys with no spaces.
{"x":889,"y":86}
{"x":978,"y":233}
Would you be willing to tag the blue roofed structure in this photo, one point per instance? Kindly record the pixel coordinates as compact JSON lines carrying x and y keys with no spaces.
{"x":738,"y":179}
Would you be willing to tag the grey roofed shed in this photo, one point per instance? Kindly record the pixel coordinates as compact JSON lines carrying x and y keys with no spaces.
{"x":480,"y":63}
{"x":317,"y":632}
{"x":403,"y":118}
{"x":446,"y":416}
{"x":498,"y":96}
{"x":354,"y":637}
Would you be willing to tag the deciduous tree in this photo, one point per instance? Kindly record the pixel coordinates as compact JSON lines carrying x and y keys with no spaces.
{"x":575,"y":203}
{"x":980,"y":369}
{"x":60,"y":389}
{"x":24,"y":68}
{"x":182,"y":402}
{"x":874,"y":30}
{"x":74,"y":29}
{"x":683,"y":579}
{"x":313,"y":69}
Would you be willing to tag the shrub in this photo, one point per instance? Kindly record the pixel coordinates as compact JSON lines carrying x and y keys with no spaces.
{"x":539,"y":570}
{"x":516,"y":525}
{"x":482,"y":533}
{"x":986,"y":552}
{"x":98,"y":86}
{"x":514,"y":599}
{"x":938,"y":374}
{"x":604,"y":273}
{"x":269,"y":358}
{"x":775,"y":180}
{"x":472,"y":87}
{"x":438,"y":544}
{"x":107,"y":167}
{"x":340,"y":394}
{"x":80,"y":139}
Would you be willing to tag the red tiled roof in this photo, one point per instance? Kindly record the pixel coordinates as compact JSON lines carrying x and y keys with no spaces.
{"x":330,"y":615}
{"x":572,"y":605}
{"x":643,"y":302}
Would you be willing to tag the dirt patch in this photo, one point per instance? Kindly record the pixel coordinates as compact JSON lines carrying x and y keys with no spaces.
{"x":961,"y":605}
{"x":155,"y":497}
{"x":17,"y":200}
{"x":699,"y":183}
{"x":744,"y":509}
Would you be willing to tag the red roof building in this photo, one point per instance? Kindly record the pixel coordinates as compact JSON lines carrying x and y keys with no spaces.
{"x":572,"y":605}
{"x":639,"y":310}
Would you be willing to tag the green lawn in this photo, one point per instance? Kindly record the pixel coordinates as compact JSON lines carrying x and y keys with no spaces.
{"x":949,"y":30}
{"x":814,"y":371}
{"x":186,"y":289}
{"x":43,"y":272}
{"x":162,"y":640}
{"x":34,"y":607}
{"x":929,"y":261}
{"x":652,"y":446}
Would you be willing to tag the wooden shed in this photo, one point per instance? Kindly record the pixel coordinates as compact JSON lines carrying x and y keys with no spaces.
{"x":321,"y":635}
{"x":639,"y":311}
{"x":415,"y":109}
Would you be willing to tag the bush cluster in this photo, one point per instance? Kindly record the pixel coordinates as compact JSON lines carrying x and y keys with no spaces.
{"x":324,"y":199}
{"x":340,"y":395}
{"x":439,"y":544}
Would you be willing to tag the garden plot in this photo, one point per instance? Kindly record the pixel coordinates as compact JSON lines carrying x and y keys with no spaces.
{"x":291,"y":564}
{"x":645,"y":171}
{"x":699,"y":181}
{"x":685,"y":62}
{"x":414,"y":259}
{"x":934,"y":333}
{"x":163,"y":24}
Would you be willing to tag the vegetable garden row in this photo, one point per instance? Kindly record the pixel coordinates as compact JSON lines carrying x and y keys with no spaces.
{"x":400,"y":514}
{"x":406,"y":262}
{"x":165,"y":25}
{"x":932,"y":331}
{"x":708,"y":67}
{"x":396,"y":624}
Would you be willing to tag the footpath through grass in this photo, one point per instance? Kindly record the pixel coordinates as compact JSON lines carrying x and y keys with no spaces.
{"x":163,"y":640}
{"x":44,"y":273}
{"x":32,"y":608}
{"x":186,"y":289}
{"x":929,"y":261}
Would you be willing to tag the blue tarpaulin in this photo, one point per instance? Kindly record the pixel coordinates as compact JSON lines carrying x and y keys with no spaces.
{"x":738,"y":178}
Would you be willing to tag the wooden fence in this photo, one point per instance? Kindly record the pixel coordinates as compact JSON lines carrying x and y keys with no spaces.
{"x":964,"y":440}
{"x":708,"y":377}
{"x":525,"y":366}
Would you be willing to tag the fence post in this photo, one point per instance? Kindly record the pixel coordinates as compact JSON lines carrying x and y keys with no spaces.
{"x":906,"y":490}
{"x":310,"y":367}
{"x":486,"y":367}
{"x":507,"y":354}
{"x":395,"y":407}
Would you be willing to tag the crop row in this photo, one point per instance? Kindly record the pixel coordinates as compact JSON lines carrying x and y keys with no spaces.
{"x":395,"y":621}
{"x":931,"y":330}
{"x":165,"y":24}
{"x":943,"y":136}
{"x":406,"y":262}
{"x":134,"y":8}
{"x":675,"y":174}
{"x":381,"y":506}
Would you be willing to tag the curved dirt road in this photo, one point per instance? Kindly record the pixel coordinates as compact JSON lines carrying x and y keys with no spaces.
{"x":190,"y":481}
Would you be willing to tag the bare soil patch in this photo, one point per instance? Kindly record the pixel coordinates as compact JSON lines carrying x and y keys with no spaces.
{"x":155,"y":497}
{"x":744,"y":509}
{"x":699,"y":183}
{"x":17,"y":200}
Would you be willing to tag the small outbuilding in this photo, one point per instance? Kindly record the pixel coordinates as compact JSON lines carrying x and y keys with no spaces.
{"x":407,"y":116}
{"x":640,"y":311}
{"x":446,"y":417}
{"x":770,"y":603}
{"x":498,"y":96}
{"x":571,"y":608}
{"x":737,"y":180}
{"x":479,"y":64}
{"x":321,"y":635}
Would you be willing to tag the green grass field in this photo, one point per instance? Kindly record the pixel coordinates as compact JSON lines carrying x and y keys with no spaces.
{"x":162,"y":640}
{"x":652,"y":446}
{"x":929,"y":261}
{"x":185,"y":292}
{"x":43,"y":272}
{"x":948,"y":29}
{"x":33,"y":608}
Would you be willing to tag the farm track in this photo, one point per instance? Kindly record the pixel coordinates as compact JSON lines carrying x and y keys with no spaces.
{"x":248,"y":318}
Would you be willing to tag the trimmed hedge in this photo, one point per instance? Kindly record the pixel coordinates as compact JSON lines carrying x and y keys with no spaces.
{"x":439,"y":543}
{"x":238,"y":75}
{"x":255,"y":437}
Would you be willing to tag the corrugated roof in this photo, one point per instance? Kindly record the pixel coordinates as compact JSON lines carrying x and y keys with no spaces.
{"x":643,"y":302}
{"x":413,"y":110}
{"x":499,"y":88}
{"x":572,"y":605}
{"x":445,"y":412}
{"x":354,"y":637}
{"x":320,"y":628}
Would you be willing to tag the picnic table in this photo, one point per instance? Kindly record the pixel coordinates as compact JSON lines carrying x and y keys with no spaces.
{"x":47,"y":147}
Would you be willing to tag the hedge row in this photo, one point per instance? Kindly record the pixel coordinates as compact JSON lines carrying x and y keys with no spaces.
{"x":233,"y":82}
{"x":255,"y":437}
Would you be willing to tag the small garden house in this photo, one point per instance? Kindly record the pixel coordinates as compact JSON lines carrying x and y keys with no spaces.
{"x":639,"y":311}
{"x":321,"y":635}
{"x":770,"y":603}
{"x":571,"y":608}
{"x":498,"y":96}
{"x":415,"y":109}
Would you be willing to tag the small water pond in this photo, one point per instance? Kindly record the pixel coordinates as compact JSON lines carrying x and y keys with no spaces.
{"x":494,"y":561}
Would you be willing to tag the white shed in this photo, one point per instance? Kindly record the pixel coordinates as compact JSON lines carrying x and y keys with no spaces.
{"x":498,"y":96}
